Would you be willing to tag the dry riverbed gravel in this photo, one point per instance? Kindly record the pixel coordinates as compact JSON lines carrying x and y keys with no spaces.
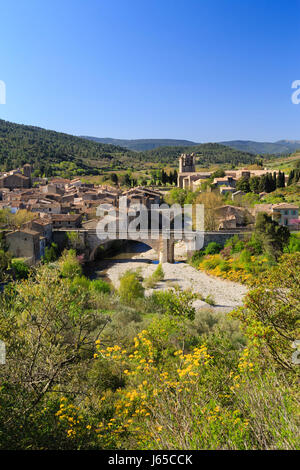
{"x":226,"y":294}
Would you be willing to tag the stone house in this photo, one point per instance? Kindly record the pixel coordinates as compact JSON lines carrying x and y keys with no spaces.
{"x":242,"y":216}
{"x":66,"y":221}
{"x":12,"y":181}
{"x":228,"y":181}
{"x":26,"y":243}
{"x":43,"y":226}
{"x":283,"y":213}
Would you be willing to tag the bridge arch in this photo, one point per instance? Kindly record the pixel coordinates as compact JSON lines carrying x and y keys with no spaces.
{"x":163,"y":247}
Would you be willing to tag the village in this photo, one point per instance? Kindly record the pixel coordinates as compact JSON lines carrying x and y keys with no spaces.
{"x":62,"y":204}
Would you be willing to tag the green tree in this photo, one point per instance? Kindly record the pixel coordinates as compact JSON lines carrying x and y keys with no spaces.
{"x":272,"y":236}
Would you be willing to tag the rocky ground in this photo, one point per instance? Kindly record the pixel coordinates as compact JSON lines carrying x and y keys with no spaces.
{"x":226,"y":294}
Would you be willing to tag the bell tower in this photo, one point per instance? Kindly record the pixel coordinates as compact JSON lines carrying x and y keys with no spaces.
{"x":187,"y":163}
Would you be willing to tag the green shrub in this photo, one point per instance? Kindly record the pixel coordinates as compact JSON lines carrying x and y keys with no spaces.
{"x":293,"y":245}
{"x":238,"y":247}
{"x":176,"y":302}
{"x":130,"y":287}
{"x":100,"y":286}
{"x":20,"y":269}
{"x":69,"y":265}
{"x":210,"y":300}
{"x":5,"y":259}
{"x":213,"y":248}
{"x":196,"y":259}
{"x":245,"y":257}
{"x":80,"y":282}
{"x":224,"y":266}
{"x":211,"y":263}
{"x":158,"y":274}
{"x":51,"y":253}
{"x":255,"y":245}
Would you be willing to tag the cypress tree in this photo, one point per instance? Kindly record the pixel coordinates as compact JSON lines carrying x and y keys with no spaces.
{"x":291,"y":177}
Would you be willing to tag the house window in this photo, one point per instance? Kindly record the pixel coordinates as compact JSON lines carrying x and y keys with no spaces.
{"x":285,"y":221}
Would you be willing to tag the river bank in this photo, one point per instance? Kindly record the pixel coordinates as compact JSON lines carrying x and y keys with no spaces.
{"x":226,"y":294}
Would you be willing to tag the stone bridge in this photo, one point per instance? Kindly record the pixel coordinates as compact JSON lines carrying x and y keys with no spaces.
{"x":163,"y":244}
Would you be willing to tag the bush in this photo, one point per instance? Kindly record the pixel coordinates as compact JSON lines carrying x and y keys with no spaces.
{"x":255,"y":245}
{"x":51,"y":253}
{"x":69,"y":265}
{"x":293,"y":246}
{"x":157,"y":276}
{"x":130,"y":287}
{"x":20,"y":269}
{"x":100,"y":286}
{"x":245,"y":257}
{"x":196,"y":259}
{"x":176,"y":302}
{"x":210,"y":300}
{"x":211,"y":263}
{"x":224,"y":266}
{"x":238,"y":247}
{"x":213,"y":248}
{"x":5,"y":258}
{"x":80,"y":282}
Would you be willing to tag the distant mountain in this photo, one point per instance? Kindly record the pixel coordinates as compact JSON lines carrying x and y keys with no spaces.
{"x":140,"y":145}
{"x":275,"y":148}
{"x":249,"y":146}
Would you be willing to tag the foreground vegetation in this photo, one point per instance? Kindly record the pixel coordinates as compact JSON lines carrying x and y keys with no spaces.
{"x":243,"y":260}
{"x":92,"y":368}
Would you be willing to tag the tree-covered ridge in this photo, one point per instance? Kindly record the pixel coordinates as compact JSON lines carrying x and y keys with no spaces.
{"x":141,"y":145}
{"x":276,"y":148}
{"x":21,"y":144}
{"x":208,"y":154}
{"x":47,"y":150}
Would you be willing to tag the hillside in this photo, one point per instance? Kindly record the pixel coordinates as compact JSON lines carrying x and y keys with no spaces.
{"x":281,"y":147}
{"x":276,"y":148}
{"x":208,"y":154}
{"x":141,"y":145}
{"x":43,"y":148}
{"x":50,"y":152}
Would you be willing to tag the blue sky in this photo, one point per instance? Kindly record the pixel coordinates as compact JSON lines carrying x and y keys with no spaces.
{"x":196,"y":69}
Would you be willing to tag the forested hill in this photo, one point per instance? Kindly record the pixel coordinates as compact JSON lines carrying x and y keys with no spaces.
{"x":207,"y":154}
{"x":141,"y":145}
{"x":277,"y":148}
{"x":21,"y":144}
{"x":51,"y":152}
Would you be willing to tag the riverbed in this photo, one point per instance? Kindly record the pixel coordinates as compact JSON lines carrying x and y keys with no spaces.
{"x":226,"y":294}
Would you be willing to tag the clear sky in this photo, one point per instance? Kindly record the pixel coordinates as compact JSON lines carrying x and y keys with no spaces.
{"x":205,"y":70}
